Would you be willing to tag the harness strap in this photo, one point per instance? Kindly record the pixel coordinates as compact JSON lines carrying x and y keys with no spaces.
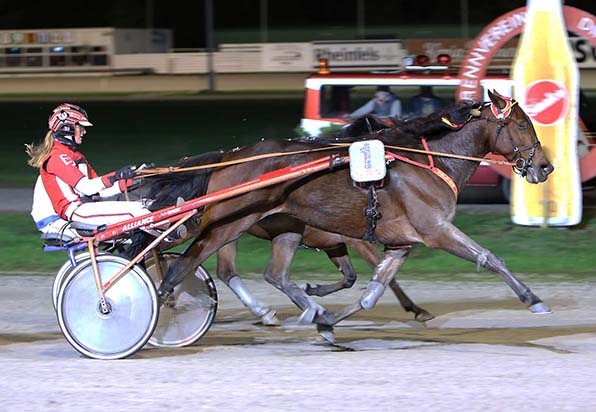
{"x":430,"y":166}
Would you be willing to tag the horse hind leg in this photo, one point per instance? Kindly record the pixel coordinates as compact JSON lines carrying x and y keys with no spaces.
{"x":227,"y":273}
{"x":420,"y":314}
{"x":384,"y":272}
{"x":370,"y":254}
{"x":340,"y":258}
{"x":284,"y":248}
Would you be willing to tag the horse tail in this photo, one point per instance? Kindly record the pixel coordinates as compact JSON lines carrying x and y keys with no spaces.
{"x":166,"y":188}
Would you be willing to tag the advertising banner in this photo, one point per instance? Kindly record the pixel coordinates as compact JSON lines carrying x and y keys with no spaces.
{"x":290,"y":57}
{"x":353,"y":55}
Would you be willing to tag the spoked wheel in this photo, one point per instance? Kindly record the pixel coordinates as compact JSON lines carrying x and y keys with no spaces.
{"x":65,"y":270}
{"x":188,"y":312}
{"x":131,"y":316}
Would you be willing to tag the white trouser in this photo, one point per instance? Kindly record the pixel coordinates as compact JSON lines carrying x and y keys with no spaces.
{"x":58,"y":226}
{"x":108,"y":212}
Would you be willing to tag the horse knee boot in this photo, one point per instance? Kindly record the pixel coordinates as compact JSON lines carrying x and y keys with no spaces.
{"x":371,"y":295}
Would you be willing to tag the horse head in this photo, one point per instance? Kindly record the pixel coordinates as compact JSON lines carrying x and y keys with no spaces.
{"x":514,"y":137}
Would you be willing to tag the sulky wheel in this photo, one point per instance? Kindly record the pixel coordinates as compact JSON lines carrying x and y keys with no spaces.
{"x":188,"y":312}
{"x":132,"y":309}
{"x":65,"y":270}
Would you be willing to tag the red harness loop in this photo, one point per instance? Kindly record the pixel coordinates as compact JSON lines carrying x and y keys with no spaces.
{"x":430,"y":166}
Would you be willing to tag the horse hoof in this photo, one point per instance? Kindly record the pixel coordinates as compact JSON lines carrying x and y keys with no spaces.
{"x":307,"y":316}
{"x":539,"y":308}
{"x":326,"y":332}
{"x":270,"y":319}
{"x":424,"y":316}
{"x":308,"y":289}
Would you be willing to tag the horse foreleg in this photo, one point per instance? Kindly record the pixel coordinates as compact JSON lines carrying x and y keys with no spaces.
{"x":227,"y":273}
{"x":340,"y":258}
{"x":454,"y":241}
{"x":284,"y":248}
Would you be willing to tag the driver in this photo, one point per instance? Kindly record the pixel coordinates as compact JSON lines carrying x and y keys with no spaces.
{"x":67,"y":188}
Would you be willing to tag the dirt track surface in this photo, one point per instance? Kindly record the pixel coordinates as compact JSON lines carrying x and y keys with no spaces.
{"x":483,"y":352}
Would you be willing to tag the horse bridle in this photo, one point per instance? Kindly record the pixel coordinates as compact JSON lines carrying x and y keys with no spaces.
{"x":503,"y":118}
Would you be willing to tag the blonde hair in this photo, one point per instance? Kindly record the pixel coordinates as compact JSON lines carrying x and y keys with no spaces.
{"x":38,"y":153}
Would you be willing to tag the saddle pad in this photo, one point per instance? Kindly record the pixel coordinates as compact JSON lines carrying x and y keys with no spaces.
{"x":367,"y":161}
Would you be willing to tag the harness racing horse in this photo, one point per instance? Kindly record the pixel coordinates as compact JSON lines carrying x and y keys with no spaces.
{"x":164,"y":189}
{"x":416,"y":204}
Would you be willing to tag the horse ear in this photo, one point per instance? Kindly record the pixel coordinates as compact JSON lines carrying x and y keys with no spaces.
{"x":496,"y":98}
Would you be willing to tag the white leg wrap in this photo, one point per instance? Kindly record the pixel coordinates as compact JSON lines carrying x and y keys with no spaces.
{"x":239,"y":288}
{"x":371,"y":295}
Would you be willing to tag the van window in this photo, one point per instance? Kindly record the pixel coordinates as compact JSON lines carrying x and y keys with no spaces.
{"x":339,"y":101}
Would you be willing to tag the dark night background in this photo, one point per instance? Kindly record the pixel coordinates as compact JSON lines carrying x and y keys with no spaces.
{"x":186,"y":17}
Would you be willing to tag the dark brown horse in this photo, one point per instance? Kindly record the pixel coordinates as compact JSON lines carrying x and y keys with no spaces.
{"x":416,"y":206}
{"x":164,"y":189}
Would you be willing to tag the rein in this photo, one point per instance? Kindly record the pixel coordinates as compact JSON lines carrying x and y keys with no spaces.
{"x":171,"y":169}
{"x":164,"y":170}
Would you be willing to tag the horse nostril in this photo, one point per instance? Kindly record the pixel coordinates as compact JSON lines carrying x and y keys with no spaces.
{"x":547,"y":168}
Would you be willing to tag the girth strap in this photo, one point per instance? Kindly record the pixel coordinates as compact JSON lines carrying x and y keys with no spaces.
{"x":371,"y":215}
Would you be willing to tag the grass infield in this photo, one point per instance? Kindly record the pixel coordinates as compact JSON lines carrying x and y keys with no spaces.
{"x":532,"y":252}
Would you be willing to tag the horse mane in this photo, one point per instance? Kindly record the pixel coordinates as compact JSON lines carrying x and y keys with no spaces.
{"x":406,"y":132}
{"x":165,"y":189}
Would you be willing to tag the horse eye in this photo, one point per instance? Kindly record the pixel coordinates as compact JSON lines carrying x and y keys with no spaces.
{"x":522,"y":125}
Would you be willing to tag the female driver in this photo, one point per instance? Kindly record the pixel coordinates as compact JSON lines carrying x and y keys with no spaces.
{"x":68,"y":188}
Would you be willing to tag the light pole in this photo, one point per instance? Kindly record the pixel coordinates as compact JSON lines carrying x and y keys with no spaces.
{"x":264,"y":11}
{"x":209,"y":41}
{"x":464,"y":13}
{"x":360,"y":20}
{"x":148,"y":14}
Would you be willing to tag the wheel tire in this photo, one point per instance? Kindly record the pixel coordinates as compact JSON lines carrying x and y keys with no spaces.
{"x":189,"y":311}
{"x":128,"y":325}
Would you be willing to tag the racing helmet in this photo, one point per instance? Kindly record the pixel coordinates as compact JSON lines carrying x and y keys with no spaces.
{"x":63,"y":119}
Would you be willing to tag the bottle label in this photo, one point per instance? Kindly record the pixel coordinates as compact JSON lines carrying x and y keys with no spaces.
{"x":547,"y":102}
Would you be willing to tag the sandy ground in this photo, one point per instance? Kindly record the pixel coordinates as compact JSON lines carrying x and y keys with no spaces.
{"x":483,"y":352}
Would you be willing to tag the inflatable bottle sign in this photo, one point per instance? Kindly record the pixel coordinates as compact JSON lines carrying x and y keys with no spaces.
{"x":546,"y":84}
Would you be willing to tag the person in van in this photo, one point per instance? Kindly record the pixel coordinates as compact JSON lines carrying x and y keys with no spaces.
{"x":383,"y":104}
{"x":425,"y":102}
